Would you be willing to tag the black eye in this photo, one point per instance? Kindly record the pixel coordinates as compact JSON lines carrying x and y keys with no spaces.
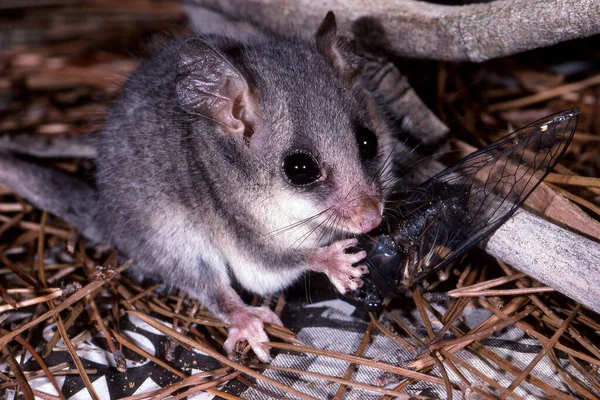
{"x":367,"y":142}
{"x":301,"y":168}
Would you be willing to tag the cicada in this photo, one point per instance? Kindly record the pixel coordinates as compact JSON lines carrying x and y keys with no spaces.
{"x":427,"y":227}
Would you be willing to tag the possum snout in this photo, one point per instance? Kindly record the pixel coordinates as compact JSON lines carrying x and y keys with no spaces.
{"x":361,"y":214}
{"x":368,"y":215}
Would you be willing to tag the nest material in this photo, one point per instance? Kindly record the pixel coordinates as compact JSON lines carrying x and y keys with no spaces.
{"x":61,"y":66}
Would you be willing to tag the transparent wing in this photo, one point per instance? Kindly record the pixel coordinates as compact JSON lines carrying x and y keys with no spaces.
{"x":437,"y":221}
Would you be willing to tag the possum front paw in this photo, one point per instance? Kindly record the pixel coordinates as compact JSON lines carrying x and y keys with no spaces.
{"x":247,"y":324}
{"x":334,"y":262}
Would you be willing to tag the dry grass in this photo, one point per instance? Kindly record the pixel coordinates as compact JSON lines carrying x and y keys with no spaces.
{"x":58,"y":74}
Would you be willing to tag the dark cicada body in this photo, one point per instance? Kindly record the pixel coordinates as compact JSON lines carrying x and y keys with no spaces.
{"x":431,"y":225}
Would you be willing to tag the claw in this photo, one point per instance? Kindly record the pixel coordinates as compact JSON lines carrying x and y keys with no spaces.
{"x":356,"y":283}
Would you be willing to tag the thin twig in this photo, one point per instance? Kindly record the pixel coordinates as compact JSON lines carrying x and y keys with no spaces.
{"x":30,"y":302}
{"x":506,"y":292}
{"x":358,"y":360}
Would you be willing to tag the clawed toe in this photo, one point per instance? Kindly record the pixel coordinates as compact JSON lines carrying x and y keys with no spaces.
{"x":346,"y":243}
{"x":339,"y":265}
{"x":248,"y":325}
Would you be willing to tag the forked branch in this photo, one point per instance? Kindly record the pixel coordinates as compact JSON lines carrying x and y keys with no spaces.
{"x":474,"y":32}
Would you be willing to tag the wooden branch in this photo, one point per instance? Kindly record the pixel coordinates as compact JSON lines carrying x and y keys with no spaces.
{"x":554,"y":256}
{"x":475,"y":32}
{"x":55,"y":147}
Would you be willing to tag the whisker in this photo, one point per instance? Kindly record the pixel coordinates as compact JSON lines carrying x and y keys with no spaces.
{"x":304,"y":237}
{"x":296,"y":224}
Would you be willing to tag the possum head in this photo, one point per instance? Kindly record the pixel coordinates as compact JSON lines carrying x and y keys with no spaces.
{"x":303,"y":152}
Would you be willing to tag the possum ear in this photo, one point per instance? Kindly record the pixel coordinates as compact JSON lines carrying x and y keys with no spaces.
{"x":209,"y":85}
{"x":339,"y":51}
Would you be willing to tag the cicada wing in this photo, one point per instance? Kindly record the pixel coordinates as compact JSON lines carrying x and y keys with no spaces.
{"x":463,"y":204}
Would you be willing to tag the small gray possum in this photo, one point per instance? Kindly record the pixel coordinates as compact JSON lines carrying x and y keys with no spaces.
{"x":226,"y":162}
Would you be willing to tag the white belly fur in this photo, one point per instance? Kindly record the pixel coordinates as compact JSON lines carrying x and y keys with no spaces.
{"x":260,"y":280}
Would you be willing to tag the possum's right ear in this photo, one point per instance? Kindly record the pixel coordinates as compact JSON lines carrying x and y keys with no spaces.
{"x":209,"y":85}
{"x":338,"y":50}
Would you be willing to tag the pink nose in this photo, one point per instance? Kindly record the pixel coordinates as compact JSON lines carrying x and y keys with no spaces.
{"x":370,"y":220}
{"x":370,"y":215}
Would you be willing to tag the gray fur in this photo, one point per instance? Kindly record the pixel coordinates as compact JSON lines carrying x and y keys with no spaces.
{"x":68,"y":197}
{"x":155,"y":159}
{"x":197,"y":201}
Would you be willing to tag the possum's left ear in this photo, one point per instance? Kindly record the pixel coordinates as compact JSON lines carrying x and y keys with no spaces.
{"x":209,"y":85}
{"x":338,"y":50}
